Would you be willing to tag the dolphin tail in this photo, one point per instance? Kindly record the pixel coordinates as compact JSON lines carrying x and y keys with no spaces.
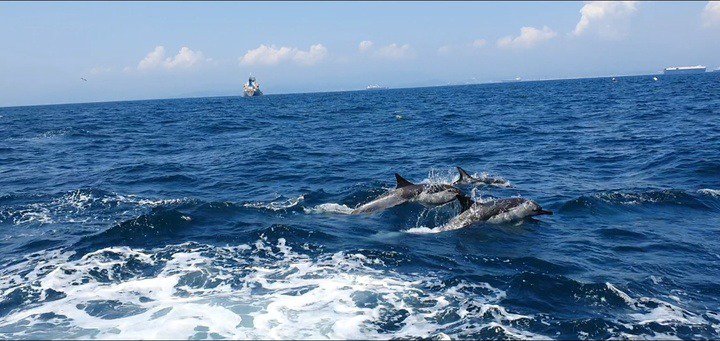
{"x":464,"y":176}
{"x":465,"y":202}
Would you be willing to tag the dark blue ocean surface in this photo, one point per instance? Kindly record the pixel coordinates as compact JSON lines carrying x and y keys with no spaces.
{"x":227,"y":217}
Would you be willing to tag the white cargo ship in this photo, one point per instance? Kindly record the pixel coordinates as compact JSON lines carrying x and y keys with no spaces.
{"x":375,"y":87}
{"x":684,"y":70}
{"x":251,"y":88}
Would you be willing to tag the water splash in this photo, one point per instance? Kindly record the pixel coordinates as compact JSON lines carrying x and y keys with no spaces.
{"x":262,"y":290}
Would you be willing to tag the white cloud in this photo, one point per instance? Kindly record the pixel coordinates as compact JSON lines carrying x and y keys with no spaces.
{"x":365,"y":45}
{"x":478,"y":43}
{"x":153,"y":59}
{"x":395,"y":51}
{"x":316,"y":53}
{"x":607,"y":17}
{"x":266,"y":55}
{"x":711,"y":14}
{"x":185,"y":58}
{"x":529,"y":37}
{"x":272,"y":55}
{"x":392,"y":51}
{"x":447,"y":50}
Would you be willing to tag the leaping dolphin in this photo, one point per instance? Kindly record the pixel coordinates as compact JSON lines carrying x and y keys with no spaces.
{"x":426,"y":194}
{"x":499,"y":210}
{"x":466,"y":179}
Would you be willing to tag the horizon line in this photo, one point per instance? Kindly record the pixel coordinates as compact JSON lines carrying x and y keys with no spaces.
{"x":334,"y":91}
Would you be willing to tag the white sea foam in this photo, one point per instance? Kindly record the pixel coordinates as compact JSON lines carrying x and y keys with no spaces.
{"x":477,"y":195}
{"x":159,"y":202}
{"x":53,"y":133}
{"x":33,"y":213}
{"x":710,"y":192}
{"x":264,"y":290}
{"x":664,"y":313}
{"x":440,"y":177}
{"x":655,"y":311}
{"x":329,"y":208}
{"x":625,"y":297}
{"x":422,"y":230}
{"x":276,"y":205}
{"x":259,"y":291}
{"x":449,"y":176}
{"x":72,"y":206}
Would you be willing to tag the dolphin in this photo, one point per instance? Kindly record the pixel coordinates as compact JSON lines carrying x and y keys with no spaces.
{"x":405,"y":191}
{"x":495,"y":211}
{"x":466,"y":179}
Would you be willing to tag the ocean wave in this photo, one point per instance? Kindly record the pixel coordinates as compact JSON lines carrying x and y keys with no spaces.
{"x":266,"y":289}
{"x":710,"y":192}
{"x":258,"y":290}
{"x":655,"y":311}
{"x":276,"y":205}
{"x":53,"y":133}
{"x":147,"y":229}
{"x":73,"y":207}
{"x":633,"y":317}
{"x":610,"y":199}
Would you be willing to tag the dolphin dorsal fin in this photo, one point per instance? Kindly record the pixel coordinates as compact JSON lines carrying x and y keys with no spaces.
{"x":463,"y":174}
{"x":401,"y":182}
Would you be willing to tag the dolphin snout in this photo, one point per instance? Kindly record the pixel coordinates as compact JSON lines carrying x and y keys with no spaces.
{"x":541,"y":212}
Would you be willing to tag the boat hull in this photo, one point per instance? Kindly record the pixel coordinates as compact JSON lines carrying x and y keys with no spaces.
{"x":687,"y":71}
{"x":252,"y":93}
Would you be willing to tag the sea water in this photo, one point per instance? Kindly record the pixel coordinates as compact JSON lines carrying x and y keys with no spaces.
{"x":229,"y":217}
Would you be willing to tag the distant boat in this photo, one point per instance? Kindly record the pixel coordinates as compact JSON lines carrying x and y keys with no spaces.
{"x":375,"y":87}
{"x":684,"y":70}
{"x":251,"y":88}
{"x":516,"y":79}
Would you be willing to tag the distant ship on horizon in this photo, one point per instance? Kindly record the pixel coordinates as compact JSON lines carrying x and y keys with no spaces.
{"x":375,"y":87}
{"x":684,"y":70}
{"x":251,"y":88}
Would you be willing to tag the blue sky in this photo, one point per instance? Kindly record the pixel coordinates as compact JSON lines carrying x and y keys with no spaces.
{"x":140,"y":50}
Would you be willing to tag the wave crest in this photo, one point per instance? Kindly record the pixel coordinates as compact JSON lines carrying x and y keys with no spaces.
{"x":276,"y":205}
{"x":73,"y":207}
{"x":263,"y":290}
{"x":619,"y":199}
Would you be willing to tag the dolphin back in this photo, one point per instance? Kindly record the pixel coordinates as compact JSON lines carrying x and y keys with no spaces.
{"x":382,"y":203}
{"x":465,"y":202}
